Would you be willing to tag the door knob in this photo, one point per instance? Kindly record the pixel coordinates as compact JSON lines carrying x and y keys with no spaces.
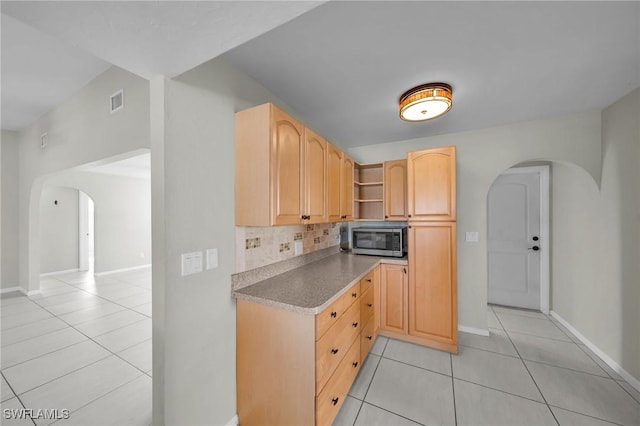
{"x":534,"y":248}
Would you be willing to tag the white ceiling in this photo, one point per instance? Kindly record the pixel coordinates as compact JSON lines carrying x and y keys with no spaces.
{"x":342,"y":65}
{"x":136,"y":167}
{"x":38,"y":72}
{"x":57,"y":51}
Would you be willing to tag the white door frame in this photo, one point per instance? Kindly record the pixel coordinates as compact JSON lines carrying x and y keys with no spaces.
{"x":545,"y":241}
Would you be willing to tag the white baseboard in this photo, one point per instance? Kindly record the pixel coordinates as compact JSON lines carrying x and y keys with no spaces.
{"x":46,"y":274}
{"x":233,"y":421}
{"x":473,"y":330}
{"x":20,"y":289}
{"x":603,"y":356}
{"x":115,"y":271}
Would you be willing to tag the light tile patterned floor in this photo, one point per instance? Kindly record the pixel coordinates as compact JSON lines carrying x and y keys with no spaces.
{"x":530,"y":371}
{"x":83,"y":344}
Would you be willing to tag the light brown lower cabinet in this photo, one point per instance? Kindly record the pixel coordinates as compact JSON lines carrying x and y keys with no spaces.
{"x":419,"y":303}
{"x":295,"y":369}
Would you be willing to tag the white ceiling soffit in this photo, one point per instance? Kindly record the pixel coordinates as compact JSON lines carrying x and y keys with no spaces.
{"x":152,"y":38}
{"x":343,"y":66}
{"x":135,"y":167}
{"x":38,"y":72}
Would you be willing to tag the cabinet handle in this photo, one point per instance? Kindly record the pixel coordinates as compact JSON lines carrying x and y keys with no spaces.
{"x":369,"y":337}
{"x":355,"y":324}
{"x":354,"y":295}
{"x":335,"y":400}
{"x":369,"y":280}
{"x":369,"y":304}
{"x":404,"y":270}
{"x":334,"y":351}
{"x":334,"y":314}
{"x":355,"y":364}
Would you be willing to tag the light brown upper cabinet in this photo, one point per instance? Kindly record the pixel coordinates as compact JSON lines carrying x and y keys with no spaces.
{"x":315,"y":178}
{"x":433,"y":301}
{"x":431,"y":184}
{"x":334,"y":183}
{"x":393,"y":298}
{"x":346,"y":195}
{"x":395,"y":190}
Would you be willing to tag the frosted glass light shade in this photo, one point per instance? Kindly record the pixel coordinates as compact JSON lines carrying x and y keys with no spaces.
{"x":426,"y":102}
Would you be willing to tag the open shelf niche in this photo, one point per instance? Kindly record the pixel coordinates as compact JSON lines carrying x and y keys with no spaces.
{"x":369,"y":191}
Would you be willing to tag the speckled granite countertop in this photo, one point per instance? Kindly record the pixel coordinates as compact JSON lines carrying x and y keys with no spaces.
{"x":311,"y":288}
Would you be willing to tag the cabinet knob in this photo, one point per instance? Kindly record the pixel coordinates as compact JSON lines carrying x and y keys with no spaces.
{"x":355,"y":324}
{"x":369,"y":280}
{"x":354,"y":295}
{"x":335,"y":400}
{"x":355,"y":364}
{"x":334,"y":314}
{"x":370,"y":304}
{"x":386,"y":217}
{"x":369,"y":337}
{"x":334,"y":351}
{"x":408,"y":215}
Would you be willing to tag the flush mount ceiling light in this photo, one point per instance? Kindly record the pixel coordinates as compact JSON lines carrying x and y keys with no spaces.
{"x":426,"y":102}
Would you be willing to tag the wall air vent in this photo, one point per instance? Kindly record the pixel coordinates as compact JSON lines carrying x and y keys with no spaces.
{"x":117,"y":101}
{"x":44,"y":140}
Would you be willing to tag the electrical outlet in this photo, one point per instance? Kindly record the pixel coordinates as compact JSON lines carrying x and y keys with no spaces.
{"x":471,"y":237}
{"x":212,"y":258}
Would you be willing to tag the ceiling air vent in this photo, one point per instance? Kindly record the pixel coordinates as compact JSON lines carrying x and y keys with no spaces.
{"x":44,"y":140}
{"x":117,"y":101}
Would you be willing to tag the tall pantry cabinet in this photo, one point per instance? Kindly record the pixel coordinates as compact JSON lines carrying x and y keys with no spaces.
{"x":433,"y":298}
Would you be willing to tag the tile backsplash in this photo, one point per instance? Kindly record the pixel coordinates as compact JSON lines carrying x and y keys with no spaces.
{"x":258,"y":246}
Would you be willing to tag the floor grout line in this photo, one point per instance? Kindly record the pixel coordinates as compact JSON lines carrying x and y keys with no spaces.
{"x":16,"y":396}
{"x":530,"y":375}
{"x":453,"y":392}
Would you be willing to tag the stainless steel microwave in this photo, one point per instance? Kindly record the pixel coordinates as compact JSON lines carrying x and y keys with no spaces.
{"x":379,"y":241}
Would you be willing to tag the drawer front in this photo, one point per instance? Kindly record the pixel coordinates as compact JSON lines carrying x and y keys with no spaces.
{"x":367,"y":281}
{"x":331,"y":315}
{"x":367,"y":306}
{"x":333,"y":346}
{"x":367,"y":337}
{"x":329,"y":401}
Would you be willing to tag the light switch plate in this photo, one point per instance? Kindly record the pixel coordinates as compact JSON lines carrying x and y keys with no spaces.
{"x":212,"y":258}
{"x":471,"y":237}
{"x":191,"y":263}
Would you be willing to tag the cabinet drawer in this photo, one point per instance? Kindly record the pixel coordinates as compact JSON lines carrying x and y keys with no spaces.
{"x":329,"y":401}
{"x":332,"y":314}
{"x":367,"y":307}
{"x":367,"y":337}
{"x":335,"y":343}
{"x":367,"y":281}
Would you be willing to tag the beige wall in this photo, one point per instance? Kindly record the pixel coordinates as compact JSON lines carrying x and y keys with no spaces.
{"x":122,"y":228}
{"x":482,"y":156}
{"x":596,"y":245}
{"x":81,"y":131}
{"x":58,"y":229}
{"x":9,"y":210}
{"x":192,"y":168}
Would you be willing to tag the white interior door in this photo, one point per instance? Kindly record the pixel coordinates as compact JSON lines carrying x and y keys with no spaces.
{"x":514,"y":239}
{"x":85,"y":232}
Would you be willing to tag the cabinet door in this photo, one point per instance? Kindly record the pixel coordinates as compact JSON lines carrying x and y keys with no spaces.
{"x":395,"y":190}
{"x":315,"y":177}
{"x":393,"y":298}
{"x":334,"y":171}
{"x":286,"y":169}
{"x":433,"y":303}
{"x":431,"y":184}
{"x":346,"y":196}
